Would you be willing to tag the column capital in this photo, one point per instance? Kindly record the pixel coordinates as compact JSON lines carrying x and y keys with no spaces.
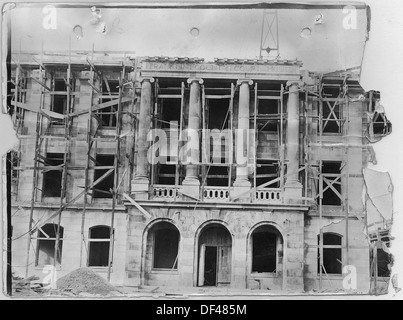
{"x":151,"y":80}
{"x":295,"y":83}
{"x":191,"y":80}
{"x":248,"y":81}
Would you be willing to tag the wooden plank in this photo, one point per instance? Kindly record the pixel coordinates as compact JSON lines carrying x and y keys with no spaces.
{"x":100,"y":106}
{"x":224,"y":264}
{"x":212,"y":96}
{"x":204,"y":145}
{"x":269,"y":98}
{"x":53,"y":137}
{"x":109,"y":104}
{"x":169,"y":96}
{"x":256,"y":138}
{"x":202,"y":255}
{"x":140,"y":208}
{"x":231,"y":144}
{"x":177,"y":173}
{"x":41,"y":83}
{"x":24,"y":106}
{"x":104,"y":139}
{"x":51,"y":114}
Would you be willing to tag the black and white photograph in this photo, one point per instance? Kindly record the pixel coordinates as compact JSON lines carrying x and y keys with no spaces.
{"x":199,"y":150}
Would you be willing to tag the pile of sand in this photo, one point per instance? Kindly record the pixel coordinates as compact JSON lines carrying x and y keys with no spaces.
{"x":85,"y":280}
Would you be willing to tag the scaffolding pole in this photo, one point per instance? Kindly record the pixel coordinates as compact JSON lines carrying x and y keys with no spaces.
{"x":320,"y":124}
{"x":154,"y":122}
{"x":231,"y":144}
{"x":38,"y":131}
{"x":16,"y":94}
{"x":375,"y":268}
{"x":177,"y":173}
{"x":116,"y":170}
{"x":282,"y":145}
{"x":41,"y":135}
{"x":87,"y":165}
{"x":346,"y":144}
{"x":66,"y":159}
{"x":306,"y":156}
{"x":204,"y":146}
{"x":256,"y":140}
{"x":131,"y":138}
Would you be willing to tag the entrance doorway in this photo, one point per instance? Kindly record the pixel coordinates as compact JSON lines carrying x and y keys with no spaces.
{"x":215,"y":254}
{"x":210,"y":266}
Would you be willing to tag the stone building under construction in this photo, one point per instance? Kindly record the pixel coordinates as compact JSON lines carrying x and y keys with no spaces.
{"x":167,"y":171}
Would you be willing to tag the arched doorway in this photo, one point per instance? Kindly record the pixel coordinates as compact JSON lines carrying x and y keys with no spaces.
{"x":266,"y":252}
{"x":214,"y":256}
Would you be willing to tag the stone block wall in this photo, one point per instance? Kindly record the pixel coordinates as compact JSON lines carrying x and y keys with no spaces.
{"x":239,"y":223}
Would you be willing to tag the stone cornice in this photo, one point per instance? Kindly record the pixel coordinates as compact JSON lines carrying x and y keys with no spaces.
{"x":221,"y":205}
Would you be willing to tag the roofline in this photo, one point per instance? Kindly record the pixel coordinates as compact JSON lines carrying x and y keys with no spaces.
{"x":223,"y":4}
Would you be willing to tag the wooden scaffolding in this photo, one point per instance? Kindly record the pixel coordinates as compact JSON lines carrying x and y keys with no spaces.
{"x":44,"y":132}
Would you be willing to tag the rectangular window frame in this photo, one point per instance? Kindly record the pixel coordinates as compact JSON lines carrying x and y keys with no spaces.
{"x":91,"y":241}
{"x":331,"y":181}
{"x":332,"y":116}
{"x":95,"y":193}
{"x":108,"y":113}
{"x":45,"y":177}
{"x":265,"y":121}
{"x":340,"y":247}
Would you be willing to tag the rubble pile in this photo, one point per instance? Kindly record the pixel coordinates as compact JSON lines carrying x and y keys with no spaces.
{"x":85,"y":280}
{"x":27,"y":286}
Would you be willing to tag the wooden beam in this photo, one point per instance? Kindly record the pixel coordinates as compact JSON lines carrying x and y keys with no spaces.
{"x":169,"y":96}
{"x":39,"y":63}
{"x":41,"y":83}
{"x":231,"y":144}
{"x":24,"y":106}
{"x":256,"y":137}
{"x":94,"y":87}
{"x":269,"y":98}
{"x":100,"y":106}
{"x":212,"y":96}
{"x":51,"y":114}
{"x":133,"y":202}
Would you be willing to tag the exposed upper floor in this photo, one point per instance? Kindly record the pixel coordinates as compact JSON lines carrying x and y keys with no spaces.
{"x":291,"y":128}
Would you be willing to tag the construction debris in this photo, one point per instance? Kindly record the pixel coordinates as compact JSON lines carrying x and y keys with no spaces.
{"x":27,"y":286}
{"x":85,"y":281}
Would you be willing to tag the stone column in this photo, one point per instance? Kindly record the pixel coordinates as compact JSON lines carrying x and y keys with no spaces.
{"x":293,"y":187}
{"x":191,"y":184}
{"x":141,"y":179}
{"x":242,"y":183}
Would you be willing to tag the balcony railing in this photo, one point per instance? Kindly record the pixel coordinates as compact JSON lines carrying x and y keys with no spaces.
{"x":216,"y":194}
{"x":268,"y":196}
{"x":164,"y":192}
